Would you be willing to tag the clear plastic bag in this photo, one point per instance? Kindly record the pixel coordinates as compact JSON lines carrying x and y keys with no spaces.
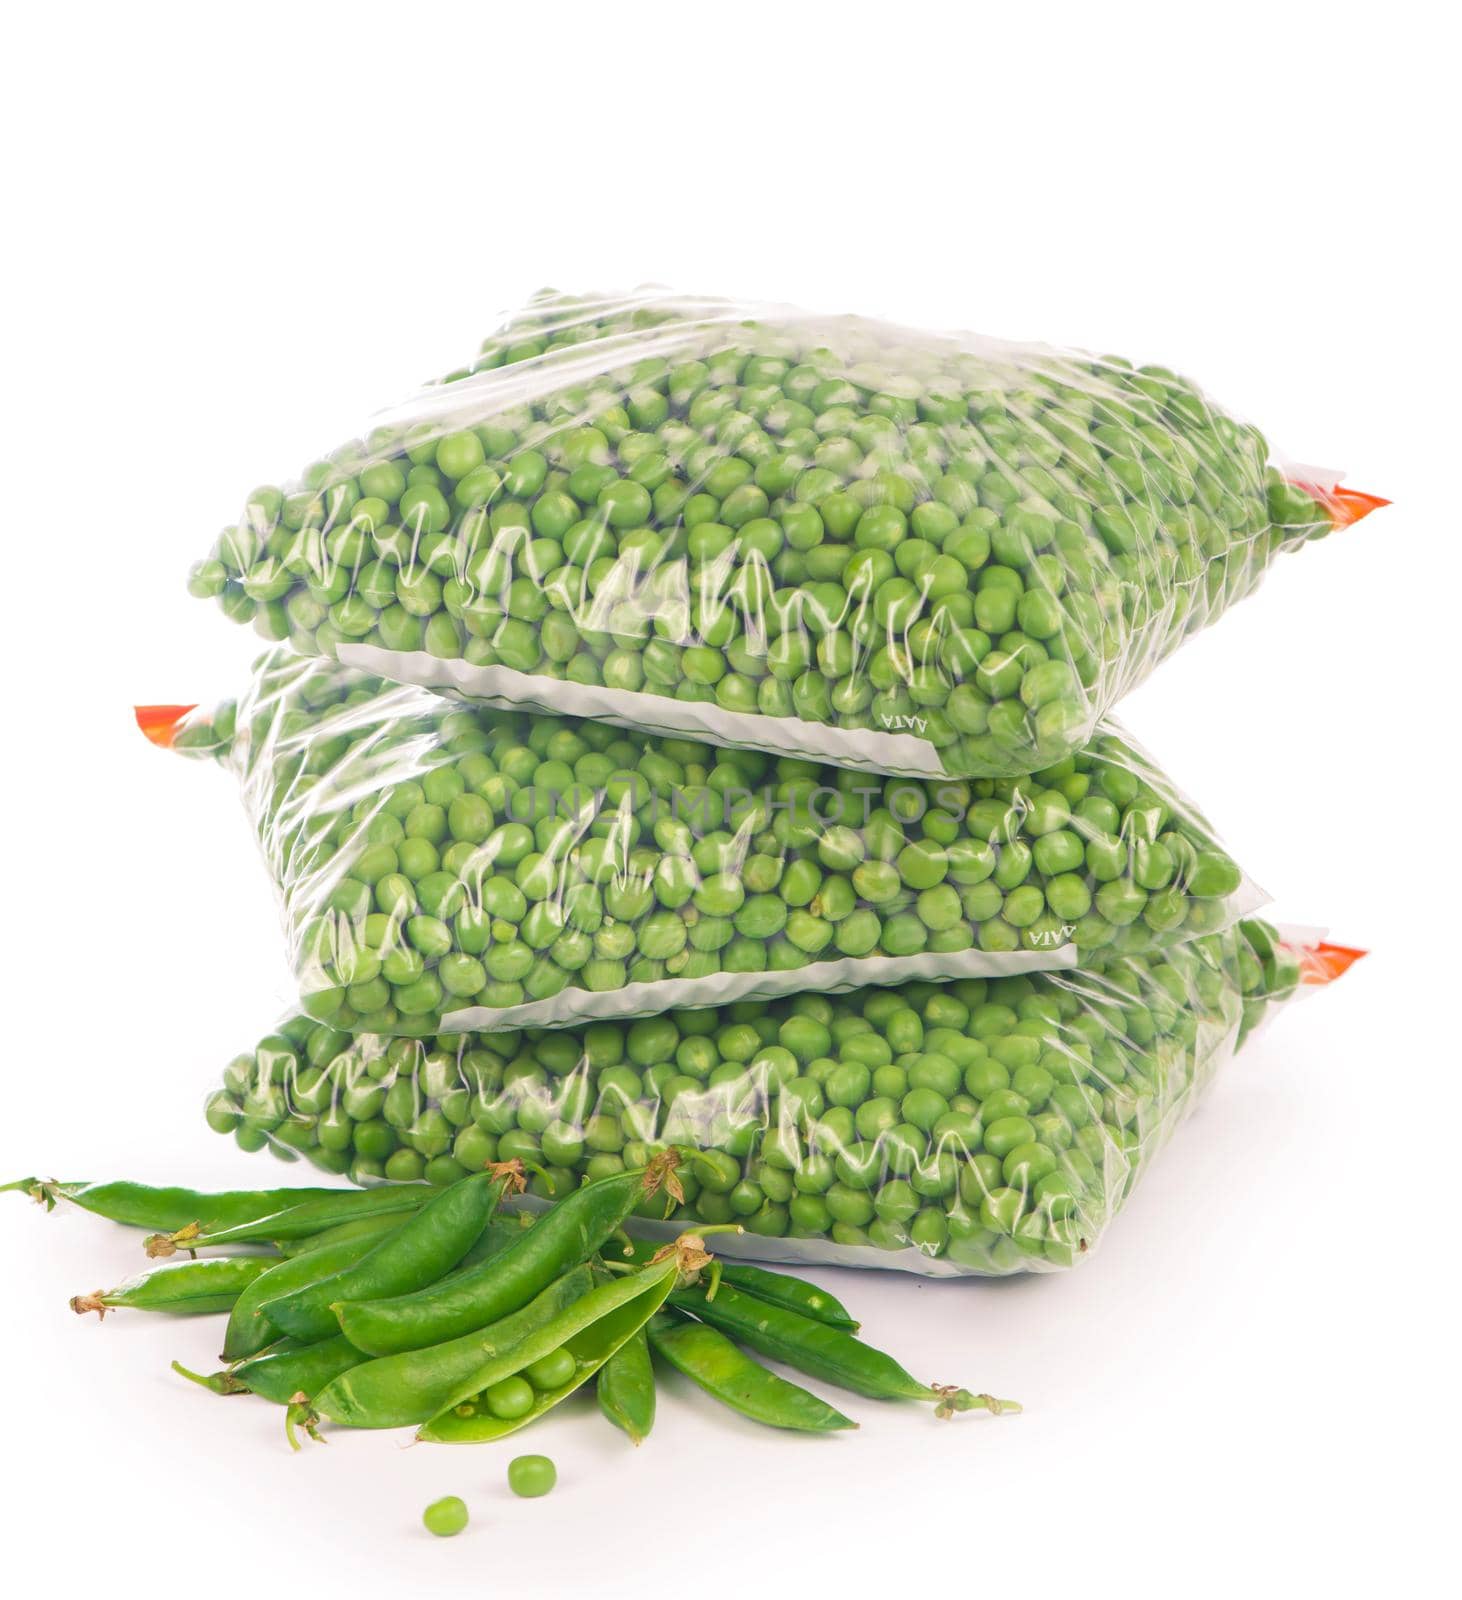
{"x":446,"y":868}
{"x":974,"y":1127}
{"x":820,"y":536}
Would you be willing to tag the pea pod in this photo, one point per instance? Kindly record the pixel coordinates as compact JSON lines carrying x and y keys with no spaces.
{"x":502,"y":1230}
{"x":796,"y":1294}
{"x":137,"y":1205}
{"x":823,"y":1352}
{"x":427,"y":1244}
{"x":186,"y":1288}
{"x":781,"y":1288}
{"x":294,"y":1221}
{"x":400,"y":1390}
{"x":563,"y":1237}
{"x":373,"y":1225}
{"x":588,"y":1332}
{"x":281,"y":1372}
{"x":625,"y":1388}
{"x":726,"y":1373}
{"x":249,"y":1330}
{"x":291,"y":1366}
{"x":285,"y":1370}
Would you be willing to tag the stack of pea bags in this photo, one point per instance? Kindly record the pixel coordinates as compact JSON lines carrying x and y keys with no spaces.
{"x":687,"y":727}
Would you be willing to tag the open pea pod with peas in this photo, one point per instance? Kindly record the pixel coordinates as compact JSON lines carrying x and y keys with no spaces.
{"x":981,"y":1126}
{"x":444,"y":868}
{"x":413,"y":1386}
{"x":507,"y":1374}
{"x":937,"y":555}
{"x":518,"y":1385}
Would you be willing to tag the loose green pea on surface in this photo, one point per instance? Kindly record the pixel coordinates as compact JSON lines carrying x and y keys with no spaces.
{"x":444,"y":868}
{"x":445,"y":1517}
{"x":531,"y":1476}
{"x":904,"y":551}
{"x":979,"y":1126}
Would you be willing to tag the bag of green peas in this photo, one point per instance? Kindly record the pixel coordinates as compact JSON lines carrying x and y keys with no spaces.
{"x":821,"y":537}
{"x":445,"y":867}
{"x":982,"y":1126}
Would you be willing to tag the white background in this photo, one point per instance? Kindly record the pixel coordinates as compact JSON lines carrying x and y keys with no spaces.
{"x":233,"y":231}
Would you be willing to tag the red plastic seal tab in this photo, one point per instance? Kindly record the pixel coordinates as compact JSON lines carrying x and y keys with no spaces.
{"x":1350,"y":505}
{"x":161,"y":723}
{"x":1324,"y":963}
{"x":1344,"y":506}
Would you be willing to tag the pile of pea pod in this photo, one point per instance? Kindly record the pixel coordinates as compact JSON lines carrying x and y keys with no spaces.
{"x":428,"y":1308}
{"x":446,"y":868}
{"x":930,"y":555}
{"x":973,"y":1127}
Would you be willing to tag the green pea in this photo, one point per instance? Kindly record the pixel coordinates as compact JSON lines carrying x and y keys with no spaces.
{"x":549,"y":1372}
{"x":509,"y":1399}
{"x":532,"y":1476}
{"x":1001,"y":1103}
{"x":1000,"y":1210}
{"x":445,"y":1517}
{"x":848,"y":1085}
{"x":874,"y":1117}
{"x":1005,"y":1134}
{"x":923,"y":1108}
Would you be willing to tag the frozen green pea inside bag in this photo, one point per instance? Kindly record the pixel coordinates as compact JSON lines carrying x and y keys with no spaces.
{"x":976,"y":1127}
{"x":445,"y":867}
{"x":935,"y":555}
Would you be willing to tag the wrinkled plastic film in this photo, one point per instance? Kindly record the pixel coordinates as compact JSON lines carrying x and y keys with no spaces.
{"x":979,"y":1127}
{"x":449,"y":868}
{"x":830,"y":537}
